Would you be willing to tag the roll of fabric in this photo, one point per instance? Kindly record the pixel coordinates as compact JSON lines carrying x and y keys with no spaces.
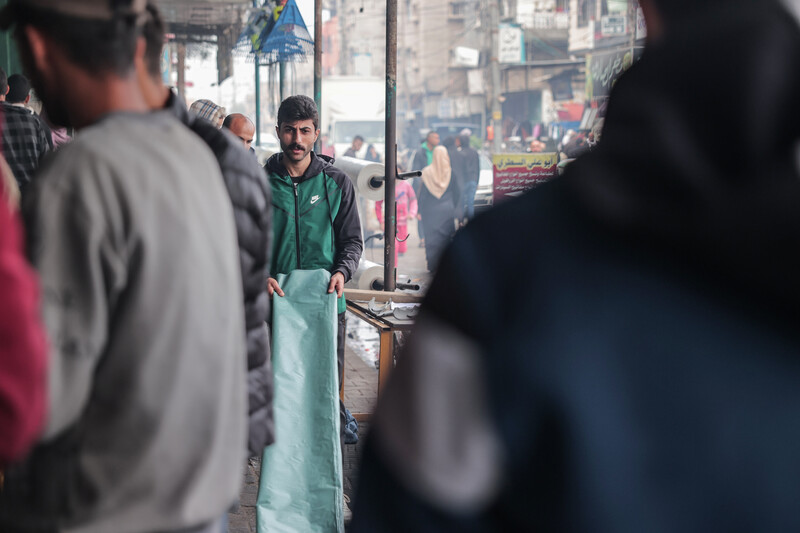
{"x":301,"y":474}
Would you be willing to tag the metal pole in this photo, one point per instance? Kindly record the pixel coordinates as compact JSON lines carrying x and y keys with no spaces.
{"x":258,"y":93}
{"x":258,"y":102}
{"x":282,"y":80}
{"x":390,"y":148}
{"x":182,"y":71}
{"x":497,"y":111}
{"x":318,"y":64}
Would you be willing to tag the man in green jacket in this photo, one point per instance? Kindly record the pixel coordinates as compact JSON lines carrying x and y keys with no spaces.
{"x":315,"y":215}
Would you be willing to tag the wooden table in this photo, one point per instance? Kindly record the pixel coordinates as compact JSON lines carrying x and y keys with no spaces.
{"x":386,"y":326}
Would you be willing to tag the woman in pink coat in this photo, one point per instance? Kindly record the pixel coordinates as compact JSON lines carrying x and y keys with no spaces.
{"x":406,"y":210}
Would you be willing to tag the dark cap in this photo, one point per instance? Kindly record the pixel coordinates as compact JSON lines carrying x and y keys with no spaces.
{"x":84,"y":9}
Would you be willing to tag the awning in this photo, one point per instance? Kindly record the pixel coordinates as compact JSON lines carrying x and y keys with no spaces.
{"x":203,"y":17}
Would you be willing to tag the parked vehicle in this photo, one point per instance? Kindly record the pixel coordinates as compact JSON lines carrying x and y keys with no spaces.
{"x":483,"y":195}
{"x":354,"y":105}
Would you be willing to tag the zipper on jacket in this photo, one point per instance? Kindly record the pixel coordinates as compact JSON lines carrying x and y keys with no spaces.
{"x":296,"y":222}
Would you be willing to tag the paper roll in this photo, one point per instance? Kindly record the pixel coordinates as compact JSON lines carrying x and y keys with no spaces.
{"x":361,"y":173}
{"x":367,"y":274}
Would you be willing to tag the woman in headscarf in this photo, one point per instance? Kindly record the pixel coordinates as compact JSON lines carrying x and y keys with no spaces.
{"x":438,"y":201}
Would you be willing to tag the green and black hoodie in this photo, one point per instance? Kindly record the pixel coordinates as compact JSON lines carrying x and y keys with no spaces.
{"x":315,"y":219}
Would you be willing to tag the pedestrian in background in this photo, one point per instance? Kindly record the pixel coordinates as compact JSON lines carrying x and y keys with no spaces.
{"x":422,"y":158}
{"x":208,"y":110}
{"x":617,"y":349}
{"x":25,"y":141}
{"x":243,"y":128}
{"x":132,"y":234}
{"x":372,"y":154}
{"x":355,"y":147}
{"x":19,"y":90}
{"x":406,"y":202}
{"x":439,"y":202}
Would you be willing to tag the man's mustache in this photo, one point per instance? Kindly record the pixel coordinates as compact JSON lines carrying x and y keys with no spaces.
{"x":296,"y":147}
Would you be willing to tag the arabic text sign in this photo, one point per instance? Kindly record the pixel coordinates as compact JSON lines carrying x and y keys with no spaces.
{"x":511,"y":44}
{"x":613,"y":25}
{"x":516,"y":173}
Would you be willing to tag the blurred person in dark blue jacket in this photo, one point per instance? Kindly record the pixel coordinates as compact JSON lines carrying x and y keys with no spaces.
{"x":617,"y":350}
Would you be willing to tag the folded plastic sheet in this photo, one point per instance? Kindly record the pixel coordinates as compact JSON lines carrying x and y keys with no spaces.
{"x":301,"y":474}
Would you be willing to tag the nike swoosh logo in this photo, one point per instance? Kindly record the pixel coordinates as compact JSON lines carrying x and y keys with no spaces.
{"x":314,"y":199}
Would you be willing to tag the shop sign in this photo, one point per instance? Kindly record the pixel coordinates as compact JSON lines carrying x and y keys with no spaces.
{"x":516,"y":173}
{"x":512,"y":44}
{"x":475,"y":81}
{"x":465,"y":57}
{"x":611,"y":25}
{"x":641,"y":25}
{"x":603,"y":70}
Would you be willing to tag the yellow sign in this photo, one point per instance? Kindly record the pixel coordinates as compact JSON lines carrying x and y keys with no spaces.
{"x":497,"y":115}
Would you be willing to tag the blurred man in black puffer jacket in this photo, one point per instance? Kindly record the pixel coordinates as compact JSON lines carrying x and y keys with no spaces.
{"x":250,"y":193}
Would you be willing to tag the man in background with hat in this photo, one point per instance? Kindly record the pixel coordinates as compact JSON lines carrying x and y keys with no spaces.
{"x":132,"y":233}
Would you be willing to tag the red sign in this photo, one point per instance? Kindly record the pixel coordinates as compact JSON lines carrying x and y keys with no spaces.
{"x":516,"y":173}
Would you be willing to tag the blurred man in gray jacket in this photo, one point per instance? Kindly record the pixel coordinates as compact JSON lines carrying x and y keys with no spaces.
{"x":133,"y":236}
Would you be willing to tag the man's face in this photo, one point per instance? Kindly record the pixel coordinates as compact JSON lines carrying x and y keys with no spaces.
{"x":433,"y":139}
{"x":297,"y":139}
{"x":245,"y":130}
{"x":357,"y":144}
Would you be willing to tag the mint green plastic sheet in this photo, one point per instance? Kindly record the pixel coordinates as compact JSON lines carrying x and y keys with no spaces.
{"x":301,"y":474}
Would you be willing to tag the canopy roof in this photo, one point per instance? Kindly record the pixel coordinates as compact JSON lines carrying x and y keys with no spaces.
{"x":203,"y":17}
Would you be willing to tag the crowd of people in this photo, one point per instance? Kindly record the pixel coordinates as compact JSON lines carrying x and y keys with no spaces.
{"x":616,"y":350}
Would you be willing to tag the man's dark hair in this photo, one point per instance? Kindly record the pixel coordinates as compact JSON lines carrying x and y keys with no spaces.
{"x":228,"y":122}
{"x":3,"y":82}
{"x":97,"y":46}
{"x":299,"y":107}
{"x":18,"y":89}
{"x":463,"y":140}
{"x":358,"y":138}
{"x":154,"y":32}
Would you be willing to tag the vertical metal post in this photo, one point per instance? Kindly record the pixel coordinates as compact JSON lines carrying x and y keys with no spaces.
{"x":318,"y":64}
{"x":390,"y":149}
{"x":282,"y":80}
{"x":182,"y":71}
{"x":258,"y":93}
{"x":497,"y":111}
{"x":258,"y":102}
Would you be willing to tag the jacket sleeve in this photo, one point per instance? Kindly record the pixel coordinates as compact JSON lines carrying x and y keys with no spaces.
{"x":23,"y":377}
{"x":347,"y":228}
